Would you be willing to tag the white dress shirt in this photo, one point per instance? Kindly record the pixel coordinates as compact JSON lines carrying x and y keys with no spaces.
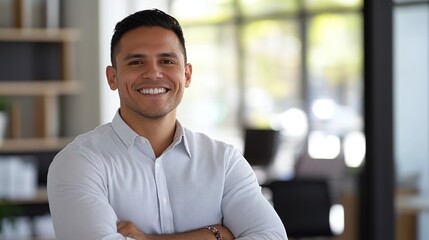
{"x":112,"y":174}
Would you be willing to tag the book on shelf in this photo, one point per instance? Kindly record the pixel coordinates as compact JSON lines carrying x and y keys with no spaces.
{"x":30,"y":13}
{"x":18,"y":176}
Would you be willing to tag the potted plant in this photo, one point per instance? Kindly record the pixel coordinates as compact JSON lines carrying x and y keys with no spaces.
{"x":8,"y":212}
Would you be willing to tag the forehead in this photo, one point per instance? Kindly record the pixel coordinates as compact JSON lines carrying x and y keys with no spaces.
{"x":149,"y":39}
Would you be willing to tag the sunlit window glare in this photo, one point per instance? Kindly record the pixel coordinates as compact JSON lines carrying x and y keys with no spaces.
{"x":349,"y":2}
{"x":323,"y":108}
{"x":323,"y":146}
{"x":336,"y":219}
{"x":294,"y":122}
{"x":260,"y":107}
{"x":213,"y":9}
{"x":354,"y":149}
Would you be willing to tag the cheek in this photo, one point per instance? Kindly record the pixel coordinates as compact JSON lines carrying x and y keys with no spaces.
{"x":123,"y":85}
{"x":124,"y":80}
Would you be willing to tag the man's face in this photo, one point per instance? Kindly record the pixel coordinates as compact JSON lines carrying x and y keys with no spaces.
{"x":150,"y":73}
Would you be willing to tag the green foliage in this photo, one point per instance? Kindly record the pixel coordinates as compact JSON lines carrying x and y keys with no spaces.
{"x":4,"y":103}
{"x":8,"y":211}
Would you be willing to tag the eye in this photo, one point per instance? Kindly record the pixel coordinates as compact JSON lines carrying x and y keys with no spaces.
{"x":135,"y":62}
{"x":167,"y":61}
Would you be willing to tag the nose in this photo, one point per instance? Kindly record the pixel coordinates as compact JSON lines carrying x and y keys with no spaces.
{"x":152,"y":71}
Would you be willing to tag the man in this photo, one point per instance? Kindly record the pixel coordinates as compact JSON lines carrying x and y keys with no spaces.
{"x":144,"y":176}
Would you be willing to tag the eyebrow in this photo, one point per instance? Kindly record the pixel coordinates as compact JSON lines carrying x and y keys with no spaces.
{"x":139,"y":55}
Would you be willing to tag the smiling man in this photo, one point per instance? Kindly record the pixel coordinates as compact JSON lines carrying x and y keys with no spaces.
{"x":144,"y":176}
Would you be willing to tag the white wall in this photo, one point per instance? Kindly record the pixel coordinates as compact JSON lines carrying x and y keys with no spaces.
{"x":83,"y":111}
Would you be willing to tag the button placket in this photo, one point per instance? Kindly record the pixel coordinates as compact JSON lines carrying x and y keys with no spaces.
{"x":165,"y":212}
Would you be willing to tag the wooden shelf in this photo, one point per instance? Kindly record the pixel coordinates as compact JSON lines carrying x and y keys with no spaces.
{"x":41,"y":197}
{"x":38,"y":35}
{"x":38,"y":88}
{"x":39,"y":68}
{"x":23,"y":145}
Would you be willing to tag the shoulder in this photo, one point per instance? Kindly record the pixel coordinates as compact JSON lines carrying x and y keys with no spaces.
{"x":83,"y":158}
{"x":97,"y":137}
{"x":201,"y":143}
{"x":89,"y":144}
{"x":202,"y":139}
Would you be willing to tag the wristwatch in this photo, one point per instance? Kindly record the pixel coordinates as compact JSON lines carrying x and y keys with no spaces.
{"x":215,"y":232}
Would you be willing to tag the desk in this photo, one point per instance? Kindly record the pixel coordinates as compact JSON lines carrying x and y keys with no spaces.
{"x":414,"y":203}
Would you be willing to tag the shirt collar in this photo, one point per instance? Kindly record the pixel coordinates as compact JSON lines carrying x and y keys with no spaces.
{"x":128,"y":135}
{"x":180,"y":137}
{"x":124,"y":132}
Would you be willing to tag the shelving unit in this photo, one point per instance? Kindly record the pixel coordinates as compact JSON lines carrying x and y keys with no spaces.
{"x":46,"y":93}
{"x":38,"y":71}
{"x":29,"y":145}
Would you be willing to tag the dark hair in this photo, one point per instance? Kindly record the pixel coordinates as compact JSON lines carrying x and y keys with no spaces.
{"x":145,"y":18}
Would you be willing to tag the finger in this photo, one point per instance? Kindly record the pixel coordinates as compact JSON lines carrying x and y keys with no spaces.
{"x":123,"y":228}
{"x":125,"y":232}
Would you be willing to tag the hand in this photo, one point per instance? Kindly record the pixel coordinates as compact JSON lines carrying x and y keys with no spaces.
{"x":128,"y":229}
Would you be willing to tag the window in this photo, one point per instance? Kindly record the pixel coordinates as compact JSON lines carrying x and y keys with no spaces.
{"x":257,"y":61}
{"x":411,"y":91}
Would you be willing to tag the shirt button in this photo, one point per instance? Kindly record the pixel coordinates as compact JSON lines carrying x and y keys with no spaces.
{"x":164,"y":200}
{"x":157,"y":165}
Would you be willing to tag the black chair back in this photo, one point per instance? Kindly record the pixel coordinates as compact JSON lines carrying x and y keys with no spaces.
{"x":303,"y":205}
{"x":260,"y":146}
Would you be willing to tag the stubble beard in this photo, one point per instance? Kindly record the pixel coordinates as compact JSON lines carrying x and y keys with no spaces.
{"x":153,"y":114}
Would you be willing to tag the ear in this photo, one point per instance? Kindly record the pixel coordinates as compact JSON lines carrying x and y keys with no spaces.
{"x":111,"y":77}
{"x":188,"y":74}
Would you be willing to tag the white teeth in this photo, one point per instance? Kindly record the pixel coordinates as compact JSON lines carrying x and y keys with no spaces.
{"x":153,"y":90}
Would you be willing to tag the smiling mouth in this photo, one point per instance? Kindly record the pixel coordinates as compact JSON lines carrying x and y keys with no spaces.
{"x":153,"y":91}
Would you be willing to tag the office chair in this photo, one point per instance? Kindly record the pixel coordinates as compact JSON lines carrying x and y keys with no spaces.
{"x":260,"y":146}
{"x":303,"y":206}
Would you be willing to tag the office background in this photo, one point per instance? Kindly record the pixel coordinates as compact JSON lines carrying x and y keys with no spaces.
{"x":313,"y":71}
{"x":301,"y":73}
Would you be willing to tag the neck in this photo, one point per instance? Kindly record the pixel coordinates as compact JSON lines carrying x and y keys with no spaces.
{"x":159,"y":132}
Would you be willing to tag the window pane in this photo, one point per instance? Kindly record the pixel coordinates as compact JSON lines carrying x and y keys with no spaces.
{"x":335,"y":72}
{"x":202,"y":11}
{"x":411,"y":97}
{"x":272,"y":52}
{"x":257,"y":7}
{"x":211,"y":102}
{"x":329,"y":4}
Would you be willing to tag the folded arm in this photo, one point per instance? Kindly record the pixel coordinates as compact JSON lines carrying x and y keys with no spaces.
{"x":246,"y":212}
{"x":78,"y":200}
{"x":80,"y":207}
{"x":128,"y":229}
